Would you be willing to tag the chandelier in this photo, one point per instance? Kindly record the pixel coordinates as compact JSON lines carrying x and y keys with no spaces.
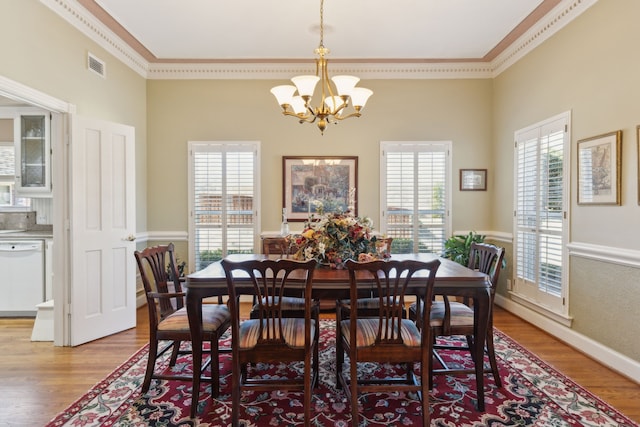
{"x":334,"y":103}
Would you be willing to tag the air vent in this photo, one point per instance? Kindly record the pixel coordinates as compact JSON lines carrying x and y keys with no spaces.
{"x":96,"y":65}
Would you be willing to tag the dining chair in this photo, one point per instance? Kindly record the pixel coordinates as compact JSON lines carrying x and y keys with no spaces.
{"x":275,"y":246}
{"x":272,"y":337}
{"x":168,"y":321}
{"x":451,"y":318}
{"x":388,"y":338}
{"x":368,"y":305}
{"x":293,"y":303}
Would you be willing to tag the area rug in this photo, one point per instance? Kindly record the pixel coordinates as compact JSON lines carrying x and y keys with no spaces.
{"x":533,"y":394}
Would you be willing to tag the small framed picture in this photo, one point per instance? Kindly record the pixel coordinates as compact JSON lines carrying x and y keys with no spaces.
{"x":599,"y":169}
{"x":473,"y":179}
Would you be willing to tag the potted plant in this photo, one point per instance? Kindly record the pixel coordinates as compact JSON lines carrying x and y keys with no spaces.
{"x":457,"y":248}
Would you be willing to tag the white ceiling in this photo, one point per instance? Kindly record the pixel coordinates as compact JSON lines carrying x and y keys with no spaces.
{"x":281,"y":30}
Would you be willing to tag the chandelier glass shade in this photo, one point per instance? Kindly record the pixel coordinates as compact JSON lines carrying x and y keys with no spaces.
{"x":335,"y":99}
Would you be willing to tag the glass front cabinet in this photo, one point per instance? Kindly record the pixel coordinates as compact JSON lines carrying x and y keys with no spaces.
{"x":33,"y":154}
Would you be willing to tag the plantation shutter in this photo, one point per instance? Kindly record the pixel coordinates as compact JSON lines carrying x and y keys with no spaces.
{"x":415,"y":195}
{"x":540,"y":234}
{"x":223,"y":200}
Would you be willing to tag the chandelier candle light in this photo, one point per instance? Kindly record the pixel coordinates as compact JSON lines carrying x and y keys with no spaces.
{"x":332,"y":107}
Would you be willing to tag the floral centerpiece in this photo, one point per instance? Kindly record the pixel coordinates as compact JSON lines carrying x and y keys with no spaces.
{"x":334,"y":238}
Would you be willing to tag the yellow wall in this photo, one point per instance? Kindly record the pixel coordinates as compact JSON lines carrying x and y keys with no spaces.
{"x":41,"y":50}
{"x":591,"y":67}
{"x":218,"y":110}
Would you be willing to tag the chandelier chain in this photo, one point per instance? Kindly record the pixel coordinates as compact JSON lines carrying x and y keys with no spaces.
{"x":321,"y":23}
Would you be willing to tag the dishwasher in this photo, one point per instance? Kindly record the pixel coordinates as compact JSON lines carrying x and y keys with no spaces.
{"x":21,"y":277}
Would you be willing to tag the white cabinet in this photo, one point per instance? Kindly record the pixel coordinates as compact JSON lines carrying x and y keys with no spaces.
{"x":33,"y":153}
{"x":30,"y":152}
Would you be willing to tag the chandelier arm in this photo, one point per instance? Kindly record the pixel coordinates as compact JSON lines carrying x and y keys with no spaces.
{"x":354,"y":114}
{"x":306,"y":118}
{"x":340,"y":108}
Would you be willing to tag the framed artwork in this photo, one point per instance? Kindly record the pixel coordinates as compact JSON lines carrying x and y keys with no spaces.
{"x":599,"y":160}
{"x":318,"y":184}
{"x":473,"y":179}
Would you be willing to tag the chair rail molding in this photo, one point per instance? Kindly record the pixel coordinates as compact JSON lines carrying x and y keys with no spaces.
{"x":169,"y":236}
{"x":609,"y":254}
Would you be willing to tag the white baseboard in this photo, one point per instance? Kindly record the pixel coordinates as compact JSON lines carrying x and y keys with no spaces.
{"x":605,"y":355}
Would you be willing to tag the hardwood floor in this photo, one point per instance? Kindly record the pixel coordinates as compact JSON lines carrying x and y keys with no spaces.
{"x":38,"y":380}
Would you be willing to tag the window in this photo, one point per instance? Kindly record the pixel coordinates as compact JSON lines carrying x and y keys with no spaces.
{"x":223,"y":197}
{"x":540,"y":235}
{"x":415,"y":185}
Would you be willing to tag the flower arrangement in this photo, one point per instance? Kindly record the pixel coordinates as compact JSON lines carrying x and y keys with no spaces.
{"x":336,"y":237}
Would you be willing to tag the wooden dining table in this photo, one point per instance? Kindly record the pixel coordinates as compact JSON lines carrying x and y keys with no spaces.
{"x":452,"y":279}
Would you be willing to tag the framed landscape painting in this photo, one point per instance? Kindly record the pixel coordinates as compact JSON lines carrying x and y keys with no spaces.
{"x":319,"y":184}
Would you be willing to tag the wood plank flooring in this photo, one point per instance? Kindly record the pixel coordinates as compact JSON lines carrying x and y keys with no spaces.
{"x":38,"y":380}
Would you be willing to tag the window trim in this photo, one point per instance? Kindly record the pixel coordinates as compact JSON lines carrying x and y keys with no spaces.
{"x":192,"y":147}
{"x":415,"y":146}
{"x":559,"y":309}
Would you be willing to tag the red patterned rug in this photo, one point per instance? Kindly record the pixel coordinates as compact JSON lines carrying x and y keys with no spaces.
{"x":533,"y":394}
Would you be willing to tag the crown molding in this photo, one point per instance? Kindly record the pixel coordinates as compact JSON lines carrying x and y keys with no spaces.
{"x":559,"y":17}
{"x":76,"y":15}
{"x":85,"y":22}
{"x":455,"y":70}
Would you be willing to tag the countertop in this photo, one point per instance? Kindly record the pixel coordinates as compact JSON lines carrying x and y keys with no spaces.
{"x":26,"y":234}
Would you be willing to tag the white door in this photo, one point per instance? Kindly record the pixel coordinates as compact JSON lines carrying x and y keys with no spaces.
{"x":102,"y":229}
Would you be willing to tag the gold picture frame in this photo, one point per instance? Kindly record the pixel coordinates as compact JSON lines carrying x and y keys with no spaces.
{"x":599,"y":169}
{"x":329,"y":182}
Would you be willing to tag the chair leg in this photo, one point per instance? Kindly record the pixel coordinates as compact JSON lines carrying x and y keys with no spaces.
{"x":478,"y":361}
{"x":424,"y":390}
{"x":195,"y":385}
{"x":426,"y":376}
{"x":316,"y":355}
{"x":339,"y":350}
{"x":174,"y":353}
{"x":492,"y":357}
{"x":470,"y":347}
{"x":431,"y":356}
{"x":308,"y":388}
{"x":215,"y":367}
{"x":235,"y":394}
{"x":151,"y":364}
{"x":354,"y":390}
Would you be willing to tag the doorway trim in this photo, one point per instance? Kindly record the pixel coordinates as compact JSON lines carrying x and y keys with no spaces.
{"x":59,"y":169}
